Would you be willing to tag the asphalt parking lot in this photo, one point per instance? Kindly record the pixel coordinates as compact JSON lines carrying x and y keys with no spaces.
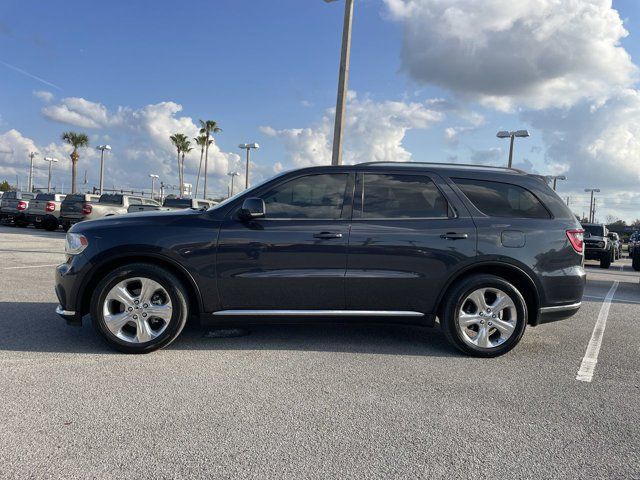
{"x":311,"y":401}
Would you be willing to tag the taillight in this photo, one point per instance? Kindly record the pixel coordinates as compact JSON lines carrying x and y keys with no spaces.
{"x":576,"y":238}
{"x":51,"y":207}
{"x":22,"y":206}
{"x":86,"y":209}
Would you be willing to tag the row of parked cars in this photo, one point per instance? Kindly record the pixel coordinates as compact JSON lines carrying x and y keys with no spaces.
{"x":606,"y":246}
{"x":53,"y":210}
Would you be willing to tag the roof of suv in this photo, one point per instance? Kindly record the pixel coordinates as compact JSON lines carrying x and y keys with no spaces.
{"x":444,"y":166}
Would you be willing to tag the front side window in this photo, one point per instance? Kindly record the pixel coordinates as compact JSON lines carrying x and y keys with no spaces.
{"x":401,"y":196}
{"x":497,"y":199}
{"x":313,"y":196}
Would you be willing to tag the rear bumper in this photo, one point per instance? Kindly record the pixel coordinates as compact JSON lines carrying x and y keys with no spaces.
{"x":557,"y":312}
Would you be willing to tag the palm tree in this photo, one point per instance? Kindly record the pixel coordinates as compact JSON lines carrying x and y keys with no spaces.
{"x":207,"y":127}
{"x":201,"y":141}
{"x":76,"y":140}
{"x":178,"y":140}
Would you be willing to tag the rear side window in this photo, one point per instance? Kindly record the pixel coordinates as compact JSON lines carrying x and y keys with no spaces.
{"x":135,"y":201}
{"x":314,"y":196}
{"x":497,"y":199}
{"x":401,"y":196}
{"x":177,"y":203}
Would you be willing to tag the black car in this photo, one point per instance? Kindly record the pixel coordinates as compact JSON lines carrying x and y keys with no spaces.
{"x":485,"y":251}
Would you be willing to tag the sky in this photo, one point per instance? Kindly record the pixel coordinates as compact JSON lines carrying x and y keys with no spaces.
{"x":431,"y":80}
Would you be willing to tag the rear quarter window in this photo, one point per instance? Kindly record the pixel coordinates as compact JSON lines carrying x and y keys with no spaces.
{"x":497,"y":199}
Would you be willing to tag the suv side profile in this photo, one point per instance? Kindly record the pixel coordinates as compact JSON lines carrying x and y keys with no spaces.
{"x":485,"y":251}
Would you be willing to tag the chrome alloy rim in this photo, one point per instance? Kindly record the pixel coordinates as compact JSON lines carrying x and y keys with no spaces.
{"x":487,"y":318}
{"x":137,"y":310}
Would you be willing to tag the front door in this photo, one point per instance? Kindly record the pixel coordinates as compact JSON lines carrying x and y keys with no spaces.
{"x":407,"y":238}
{"x":295,"y":257}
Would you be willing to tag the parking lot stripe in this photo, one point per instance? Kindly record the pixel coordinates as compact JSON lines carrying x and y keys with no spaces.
{"x":30,"y":266}
{"x":590,"y":360}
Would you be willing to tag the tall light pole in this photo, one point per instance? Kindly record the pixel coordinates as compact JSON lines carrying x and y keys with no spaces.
{"x":512,"y":136}
{"x":51,"y":161}
{"x":343,"y":82}
{"x":30,"y":185}
{"x":153,"y":183}
{"x":232,"y":174}
{"x":247,"y":147}
{"x":102,"y":148}
{"x":591,"y":212}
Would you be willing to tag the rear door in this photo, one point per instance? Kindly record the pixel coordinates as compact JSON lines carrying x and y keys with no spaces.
{"x":409,"y":233}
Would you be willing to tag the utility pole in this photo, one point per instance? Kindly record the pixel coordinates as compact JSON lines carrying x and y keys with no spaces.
{"x":591,"y":204}
{"x":30,"y":185}
{"x":232,"y":175}
{"x":51,"y":161}
{"x":102,"y":148}
{"x":343,"y":82}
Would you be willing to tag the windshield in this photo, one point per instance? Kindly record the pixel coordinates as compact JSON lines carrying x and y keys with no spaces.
{"x":595,"y":230}
{"x":111,"y":198}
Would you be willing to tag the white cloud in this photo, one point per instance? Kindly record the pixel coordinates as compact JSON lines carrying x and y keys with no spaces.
{"x":81,"y":113}
{"x":537,"y":54}
{"x":43,"y":95}
{"x":374,"y":131}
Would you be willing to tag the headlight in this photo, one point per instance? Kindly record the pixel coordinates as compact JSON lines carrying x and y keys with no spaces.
{"x":75,"y":244}
{"x":601,"y":244}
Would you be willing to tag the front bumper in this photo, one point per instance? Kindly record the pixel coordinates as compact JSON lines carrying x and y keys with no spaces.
{"x":68,"y":282}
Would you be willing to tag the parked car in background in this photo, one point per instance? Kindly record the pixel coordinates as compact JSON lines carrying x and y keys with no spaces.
{"x":44,"y":211}
{"x":118,"y":204}
{"x":13,"y":207}
{"x":75,"y":208}
{"x":145,"y":205}
{"x":485,"y":250}
{"x":617,"y":244}
{"x":598,"y":245}
{"x":634,"y":239}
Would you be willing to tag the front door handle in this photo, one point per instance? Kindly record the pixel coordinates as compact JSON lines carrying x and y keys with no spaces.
{"x":454,"y":236}
{"x":326,"y":235}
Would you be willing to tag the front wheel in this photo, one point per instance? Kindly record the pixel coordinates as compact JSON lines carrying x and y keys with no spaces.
{"x":606,"y":260}
{"x":484,"y":316}
{"x":139,"y":308}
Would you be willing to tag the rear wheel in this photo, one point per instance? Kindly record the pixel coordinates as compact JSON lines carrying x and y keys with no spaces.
{"x":484,"y":316}
{"x":139,"y":308}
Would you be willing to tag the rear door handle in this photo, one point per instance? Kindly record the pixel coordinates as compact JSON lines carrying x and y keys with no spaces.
{"x":326,"y":235}
{"x":454,"y":236}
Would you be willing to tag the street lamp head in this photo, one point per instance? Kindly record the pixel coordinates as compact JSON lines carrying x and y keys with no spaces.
{"x":104,"y":147}
{"x":50,"y":159}
{"x":521,"y":133}
{"x":247,"y":146}
{"x":503,"y":134}
{"x":151,"y":175}
{"x":233,"y":174}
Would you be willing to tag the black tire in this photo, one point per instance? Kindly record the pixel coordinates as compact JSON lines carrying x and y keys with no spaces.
{"x":66,"y":227}
{"x":635,"y":263}
{"x":453,"y":303}
{"x":21,"y":223}
{"x":51,"y":225}
{"x":174,"y":288}
{"x":606,"y":260}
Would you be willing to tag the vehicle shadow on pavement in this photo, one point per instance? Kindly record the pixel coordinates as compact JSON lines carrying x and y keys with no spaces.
{"x":33,"y":327}
{"x":331,"y":337}
{"x":8,"y":230}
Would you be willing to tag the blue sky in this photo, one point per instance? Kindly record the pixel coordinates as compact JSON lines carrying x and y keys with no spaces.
{"x":267,"y":72}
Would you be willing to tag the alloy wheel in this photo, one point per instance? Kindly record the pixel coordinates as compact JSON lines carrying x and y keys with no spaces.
{"x":487,"y":318}
{"x":137,"y":310}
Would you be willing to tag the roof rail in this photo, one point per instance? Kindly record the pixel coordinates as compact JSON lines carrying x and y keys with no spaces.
{"x":444,"y":164}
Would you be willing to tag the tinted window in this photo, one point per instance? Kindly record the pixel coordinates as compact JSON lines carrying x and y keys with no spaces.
{"x":78,"y":197}
{"x":111,"y":198}
{"x":177,"y":202}
{"x":497,"y":199}
{"x":45,"y":196}
{"x":313,"y":196}
{"x":401,"y":196}
{"x":595,"y":230}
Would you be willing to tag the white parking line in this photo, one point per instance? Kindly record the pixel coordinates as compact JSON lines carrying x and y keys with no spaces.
{"x":590,"y":360}
{"x":31,"y":266}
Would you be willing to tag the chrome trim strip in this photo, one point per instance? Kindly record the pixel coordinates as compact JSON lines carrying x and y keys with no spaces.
{"x":319,"y":313}
{"x":60,"y":311}
{"x":560,"y":308}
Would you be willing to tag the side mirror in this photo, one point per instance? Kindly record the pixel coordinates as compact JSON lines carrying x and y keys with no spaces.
{"x":252,"y":208}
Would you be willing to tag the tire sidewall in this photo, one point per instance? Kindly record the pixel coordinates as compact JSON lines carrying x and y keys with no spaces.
{"x":454,"y":304}
{"x":168,"y":282}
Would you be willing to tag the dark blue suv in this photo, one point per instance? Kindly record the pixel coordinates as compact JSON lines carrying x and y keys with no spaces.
{"x":484,"y":251}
